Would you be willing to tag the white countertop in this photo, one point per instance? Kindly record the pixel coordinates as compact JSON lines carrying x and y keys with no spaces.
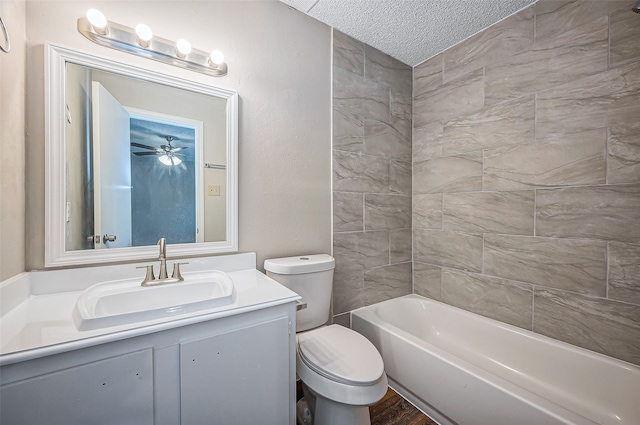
{"x":37,"y":307}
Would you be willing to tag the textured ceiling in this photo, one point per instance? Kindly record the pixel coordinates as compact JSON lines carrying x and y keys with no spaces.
{"x":409,"y":30}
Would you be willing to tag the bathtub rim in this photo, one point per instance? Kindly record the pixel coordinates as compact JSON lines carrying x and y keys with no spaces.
{"x":369,"y":316}
{"x":503,"y":325}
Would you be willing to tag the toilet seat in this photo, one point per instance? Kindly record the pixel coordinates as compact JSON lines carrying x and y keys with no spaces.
{"x":331,"y":361}
{"x":341,"y":354}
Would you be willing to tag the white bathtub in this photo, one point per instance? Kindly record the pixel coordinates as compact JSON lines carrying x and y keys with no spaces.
{"x":462,"y":368}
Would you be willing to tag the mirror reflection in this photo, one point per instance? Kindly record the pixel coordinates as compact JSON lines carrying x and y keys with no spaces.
{"x":144,"y":160}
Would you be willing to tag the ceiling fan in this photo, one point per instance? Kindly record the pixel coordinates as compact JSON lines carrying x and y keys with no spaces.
{"x":168,"y":153}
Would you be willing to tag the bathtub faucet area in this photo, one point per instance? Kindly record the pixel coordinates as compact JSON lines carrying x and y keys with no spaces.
{"x":163,"y":278}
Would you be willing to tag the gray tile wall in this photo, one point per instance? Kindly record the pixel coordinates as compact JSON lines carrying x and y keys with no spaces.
{"x":526,"y":175}
{"x":372,"y":126}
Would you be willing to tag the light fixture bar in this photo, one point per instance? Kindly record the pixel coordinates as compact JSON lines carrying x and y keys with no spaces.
{"x":123,"y":38}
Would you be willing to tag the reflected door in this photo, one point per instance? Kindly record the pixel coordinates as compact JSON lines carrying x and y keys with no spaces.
{"x":111,"y":170}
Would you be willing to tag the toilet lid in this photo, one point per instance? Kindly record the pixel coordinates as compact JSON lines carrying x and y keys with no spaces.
{"x":340,"y":354}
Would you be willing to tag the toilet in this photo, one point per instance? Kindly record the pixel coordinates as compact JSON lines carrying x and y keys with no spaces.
{"x":341,"y":371}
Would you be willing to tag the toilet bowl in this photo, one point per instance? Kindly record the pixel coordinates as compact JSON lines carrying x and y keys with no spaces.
{"x":342,"y":372}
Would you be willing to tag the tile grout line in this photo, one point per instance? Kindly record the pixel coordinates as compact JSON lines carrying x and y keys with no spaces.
{"x":413,"y":132}
{"x":389,"y":247}
{"x":535,"y":116}
{"x":533,"y":307}
{"x":535,"y":209}
{"x":484,"y":87}
{"x":535,"y":26}
{"x":364,"y":211}
{"x":606,"y":155}
{"x":606,"y":273}
{"x":527,"y":283}
{"x":482,"y":268}
{"x":442,"y":213}
{"x":364,"y":60}
{"x":609,"y":42}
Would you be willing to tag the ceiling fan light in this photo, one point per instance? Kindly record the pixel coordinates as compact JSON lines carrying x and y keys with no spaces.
{"x":165,"y":160}
{"x":169,"y":160}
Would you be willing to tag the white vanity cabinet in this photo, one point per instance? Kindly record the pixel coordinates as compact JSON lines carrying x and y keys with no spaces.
{"x":114,"y":390}
{"x":237,"y":377}
{"x":238,"y":369}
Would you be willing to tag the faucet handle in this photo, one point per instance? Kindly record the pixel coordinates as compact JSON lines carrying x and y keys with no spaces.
{"x":149,"y":276}
{"x":176,"y":272}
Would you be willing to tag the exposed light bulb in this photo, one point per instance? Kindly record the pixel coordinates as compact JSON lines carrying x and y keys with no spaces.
{"x":183,"y":47}
{"x":144,"y":34}
{"x":216,"y":57}
{"x":98,"y":21}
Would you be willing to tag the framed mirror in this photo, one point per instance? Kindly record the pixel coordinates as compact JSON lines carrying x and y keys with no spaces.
{"x":132,"y":156}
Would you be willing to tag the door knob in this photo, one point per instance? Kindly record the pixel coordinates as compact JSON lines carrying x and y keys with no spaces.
{"x":108,"y":238}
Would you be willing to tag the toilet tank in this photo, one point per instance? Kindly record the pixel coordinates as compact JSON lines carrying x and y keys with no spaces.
{"x":311,"y":277}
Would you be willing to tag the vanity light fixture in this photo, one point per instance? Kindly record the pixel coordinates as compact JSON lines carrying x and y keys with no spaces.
{"x":141,"y":41}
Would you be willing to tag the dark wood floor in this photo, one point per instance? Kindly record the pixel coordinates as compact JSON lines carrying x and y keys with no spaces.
{"x":391,"y":410}
{"x":395,"y":410}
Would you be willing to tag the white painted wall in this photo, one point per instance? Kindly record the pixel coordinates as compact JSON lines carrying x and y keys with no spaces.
{"x":279,"y":62}
{"x":12,"y":142}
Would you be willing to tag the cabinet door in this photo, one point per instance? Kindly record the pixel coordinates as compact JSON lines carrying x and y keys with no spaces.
{"x":117,"y":390}
{"x":237,"y":378}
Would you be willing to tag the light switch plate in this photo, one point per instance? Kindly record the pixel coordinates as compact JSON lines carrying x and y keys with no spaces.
{"x":213,"y":190}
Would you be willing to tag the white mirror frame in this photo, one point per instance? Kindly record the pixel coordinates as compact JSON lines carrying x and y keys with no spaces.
{"x":56,"y":57}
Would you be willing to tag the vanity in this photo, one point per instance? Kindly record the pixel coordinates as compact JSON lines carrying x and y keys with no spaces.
{"x":226,"y":364}
{"x":133,"y":156}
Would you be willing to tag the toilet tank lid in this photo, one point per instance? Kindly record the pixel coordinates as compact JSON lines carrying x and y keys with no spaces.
{"x":300,"y":264}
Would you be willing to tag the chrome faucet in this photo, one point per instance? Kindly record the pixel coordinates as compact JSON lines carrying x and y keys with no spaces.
{"x":163,"y":258}
{"x":163,"y":277}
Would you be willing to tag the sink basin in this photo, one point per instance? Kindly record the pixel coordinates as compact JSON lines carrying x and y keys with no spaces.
{"x":125,"y":301}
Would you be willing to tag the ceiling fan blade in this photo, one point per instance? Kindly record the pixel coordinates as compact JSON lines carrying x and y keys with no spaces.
{"x":145,"y":153}
{"x":140,"y":145}
{"x":178,"y":149}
